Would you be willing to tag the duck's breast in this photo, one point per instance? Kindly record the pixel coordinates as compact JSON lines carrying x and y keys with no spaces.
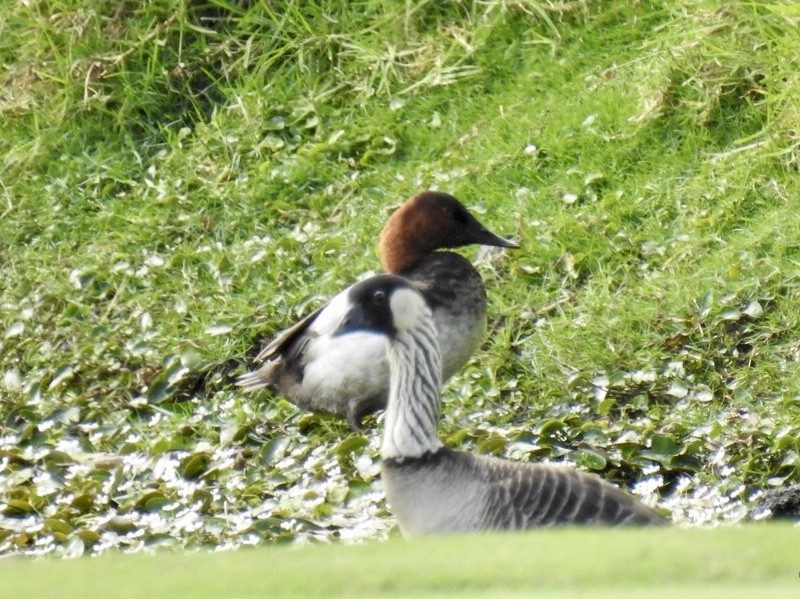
{"x":342,"y":371}
{"x":345,"y":370}
{"x":433,"y":494}
{"x":455,"y":293}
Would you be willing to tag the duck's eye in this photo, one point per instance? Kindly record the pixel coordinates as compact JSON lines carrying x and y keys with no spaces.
{"x":460,"y":216}
{"x":378,"y":297}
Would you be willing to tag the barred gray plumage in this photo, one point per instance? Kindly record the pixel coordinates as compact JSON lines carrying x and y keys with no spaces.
{"x":433,"y":489}
{"x":412,"y":416}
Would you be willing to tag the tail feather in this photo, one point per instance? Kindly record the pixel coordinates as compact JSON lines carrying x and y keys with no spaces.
{"x":258,"y":379}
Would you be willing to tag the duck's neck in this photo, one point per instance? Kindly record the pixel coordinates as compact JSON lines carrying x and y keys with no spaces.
{"x":400,"y":253}
{"x":412,"y":411}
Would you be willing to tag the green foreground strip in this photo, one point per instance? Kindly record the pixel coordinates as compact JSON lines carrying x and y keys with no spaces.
{"x":761,"y":560}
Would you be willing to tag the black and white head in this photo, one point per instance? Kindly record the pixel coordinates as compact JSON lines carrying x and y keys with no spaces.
{"x":385,"y":304}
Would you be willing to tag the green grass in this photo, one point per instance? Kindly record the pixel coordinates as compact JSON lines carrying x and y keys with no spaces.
{"x":595,"y":563}
{"x":180,"y":180}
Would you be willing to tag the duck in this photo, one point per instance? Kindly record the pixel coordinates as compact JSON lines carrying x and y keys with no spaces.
{"x":432,"y":489}
{"x":348,"y":376}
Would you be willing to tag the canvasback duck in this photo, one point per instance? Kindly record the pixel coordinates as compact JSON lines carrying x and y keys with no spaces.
{"x":348,"y":375}
{"x":432,"y":489}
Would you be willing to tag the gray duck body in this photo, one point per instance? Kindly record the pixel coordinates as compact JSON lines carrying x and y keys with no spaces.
{"x":453,"y":491}
{"x":348,"y":375}
{"x":432,"y":489}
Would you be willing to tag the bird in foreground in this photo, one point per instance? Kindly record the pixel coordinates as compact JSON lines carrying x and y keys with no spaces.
{"x":349,"y":375}
{"x":432,"y":489}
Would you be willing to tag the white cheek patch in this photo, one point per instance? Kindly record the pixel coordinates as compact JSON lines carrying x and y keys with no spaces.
{"x":408,"y":307}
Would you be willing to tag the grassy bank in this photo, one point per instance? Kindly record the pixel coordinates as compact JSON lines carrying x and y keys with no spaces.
{"x":704,"y":563}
